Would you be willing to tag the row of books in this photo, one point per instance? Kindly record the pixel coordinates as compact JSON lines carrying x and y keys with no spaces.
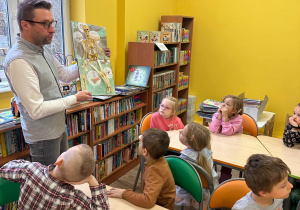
{"x":185,"y":57}
{"x":105,"y":167}
{"x":159,"y":96}
{"x":166,"y":57}
{"x":183,"y":81}
{"x":78,"y":140}
{"x":10,"y":206}
{"x":208,"y":107}
{"x":114,"y":108}
{"x":182,"y":104}
{"x":77,"y":122}
{"x":156,"y":37}
{"x":104,"y":148}
{"x":103,"y":129}
{"x":185,"y":35}
{"x":163,"y":79}
{"x":12,"y":141}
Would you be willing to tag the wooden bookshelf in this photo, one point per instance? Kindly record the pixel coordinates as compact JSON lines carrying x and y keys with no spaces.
{"x":89,"y":107}
{"x":142,"y":54}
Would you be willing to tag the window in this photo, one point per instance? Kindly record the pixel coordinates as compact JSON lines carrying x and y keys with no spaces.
{"x":9,"y":28}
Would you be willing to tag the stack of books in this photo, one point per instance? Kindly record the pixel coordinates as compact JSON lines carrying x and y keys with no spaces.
{"x":252,"y":102}
{"x":7,"y":119}
{"x":208,"y":107}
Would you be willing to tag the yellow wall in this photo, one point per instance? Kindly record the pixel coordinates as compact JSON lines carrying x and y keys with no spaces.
{"x":5,"y":99}
{"x":251,"y":46}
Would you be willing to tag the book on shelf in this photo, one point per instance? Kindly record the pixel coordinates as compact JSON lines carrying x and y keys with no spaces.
{"x":136,"y":80}
{"x":174,"y":29}
{"x":89,"y":43}
{"x":165,"y":37}
{"x":162,"y":79}
{"x":142,"y":36}
{"x":155,"y":36}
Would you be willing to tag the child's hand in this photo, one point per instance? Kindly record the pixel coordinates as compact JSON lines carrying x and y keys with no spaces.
{"x":220,"y":113}
{"x":115,"y":192}
{"x":292,"y":122}
{"x":225,"y":114}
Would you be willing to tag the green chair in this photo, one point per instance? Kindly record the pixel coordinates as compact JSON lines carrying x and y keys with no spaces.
{"x":186,"y":177}
{"x":9,"y":191}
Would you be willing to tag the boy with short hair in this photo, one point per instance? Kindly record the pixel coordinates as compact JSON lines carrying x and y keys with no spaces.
{"x":51,"y":187}
{"x":158,"y":181}
{"x":267,"y":177}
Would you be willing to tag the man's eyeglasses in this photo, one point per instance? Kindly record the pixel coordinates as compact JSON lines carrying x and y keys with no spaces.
{"x":46,"y":23}
{"x":164,"y":107}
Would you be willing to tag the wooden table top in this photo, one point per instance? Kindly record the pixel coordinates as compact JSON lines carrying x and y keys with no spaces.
{"x":230,"y":150}
{"x":289,"y":155}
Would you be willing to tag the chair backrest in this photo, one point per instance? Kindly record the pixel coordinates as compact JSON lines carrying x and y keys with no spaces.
{"x":9,"y":191}
{"x":287,"y":120}
{"x":249,"y":125}
{"x":206,"y":179}
{"x":145,"y":123}
{"x":228,"y":193}
{"x":186,"y":176}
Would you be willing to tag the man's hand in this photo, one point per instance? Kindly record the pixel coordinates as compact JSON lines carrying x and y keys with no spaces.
{"x":83,"y":95}
{"x":115,"y":192}
{"x":107,"y":52}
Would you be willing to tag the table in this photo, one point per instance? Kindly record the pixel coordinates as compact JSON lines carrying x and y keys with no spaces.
{"x":289,"y":155}
{"x":118,"y":203}
{"x":231,"y":151}
{"x":266,"y":120}
{"x":115,"y":203}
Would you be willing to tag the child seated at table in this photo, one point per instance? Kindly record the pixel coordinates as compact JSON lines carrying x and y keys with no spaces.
{"x":196,"y":138}
{"x":291,"y":133}
{"x":267,"y":177}
{"x":165,"y":119}
{"x":158,"y":181}
{"x":228,"y":120}
{"x":51,"y":187}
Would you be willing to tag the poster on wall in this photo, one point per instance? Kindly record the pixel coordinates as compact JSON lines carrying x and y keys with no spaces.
{"x":89,"y":42}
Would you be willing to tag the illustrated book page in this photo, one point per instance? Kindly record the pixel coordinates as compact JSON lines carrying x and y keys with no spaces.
{"x":89,"y":42}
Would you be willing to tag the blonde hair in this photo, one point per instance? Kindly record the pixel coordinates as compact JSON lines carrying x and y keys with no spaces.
{"x":198,"y":137}
{"x":238,"y":104}
{"x":78,"y":164}
{"x":175,"y":104}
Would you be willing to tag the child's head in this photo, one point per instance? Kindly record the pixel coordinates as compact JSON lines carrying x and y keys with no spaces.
{"x":233,"y":104}
{"x":197,"y":137}
{"x":296,"y":115}
{"x":154,"y":142}
{"x":168,"y":107}
{"x":76,"y":163}
{"x":267,"y":176}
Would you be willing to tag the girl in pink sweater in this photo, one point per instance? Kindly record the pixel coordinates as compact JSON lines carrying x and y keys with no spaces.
{"x":228,"y":120}
{"x":165,"y":119}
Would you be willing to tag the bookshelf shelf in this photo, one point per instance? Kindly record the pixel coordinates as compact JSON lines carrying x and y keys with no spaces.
{"x":161,"y":66}
{"x":78,"y":134}
{"x":13,"y":127}
{"x":122,"y":113}
{"x":143,"y":54}
{"x":120,"y":130}
{"x":164,"y":88}
{"x":185,"y":88}
{"x":16,"y":155}
{"x":116,"y":149}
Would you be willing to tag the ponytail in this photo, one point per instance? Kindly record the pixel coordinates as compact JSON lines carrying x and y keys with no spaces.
{"x":202,"y":161}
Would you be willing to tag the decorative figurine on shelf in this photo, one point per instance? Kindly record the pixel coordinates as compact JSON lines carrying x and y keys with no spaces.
{"x":94,"y":66}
